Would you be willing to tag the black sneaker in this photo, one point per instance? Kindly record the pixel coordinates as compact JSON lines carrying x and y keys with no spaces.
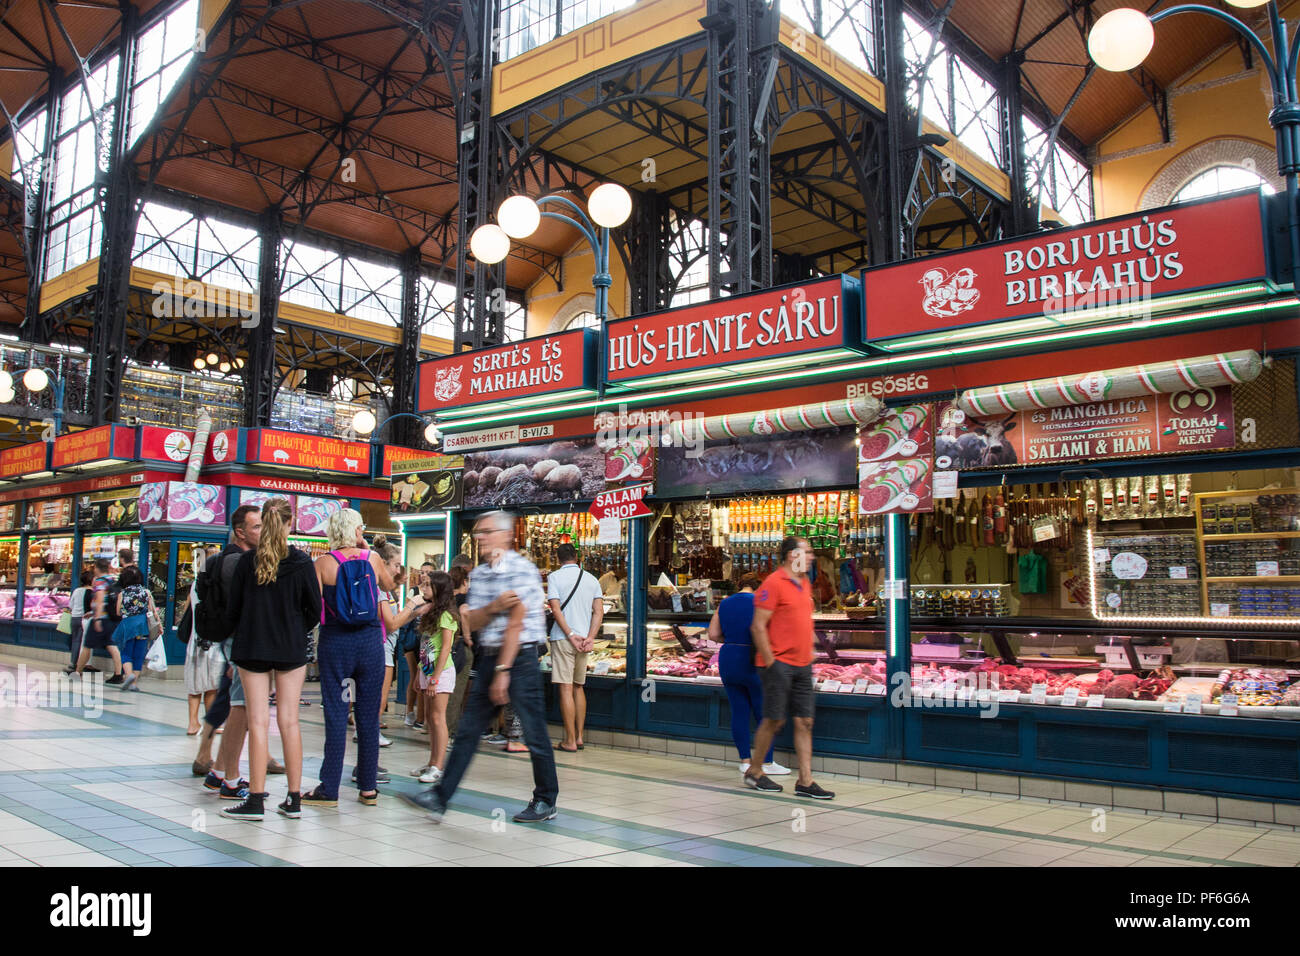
{"x":762,"y":782}
{"x":250,"y":809}
{"x":212,"y":781}
{"x":381,"y":778}
{"x":814,"y":791}
{"x":292,"y":806}
{"x":238,"y":792}
{"x":428,"y":801}
{"x":536,"y":812}
{"x":115,"y":679}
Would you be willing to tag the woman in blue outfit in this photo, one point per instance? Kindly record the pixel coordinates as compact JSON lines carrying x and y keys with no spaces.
{"x":740,"y":678}
{"x":349,"y":652}
{"x":134,"y":606}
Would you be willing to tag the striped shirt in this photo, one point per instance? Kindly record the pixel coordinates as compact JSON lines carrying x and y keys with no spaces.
{"x":515,"y":573}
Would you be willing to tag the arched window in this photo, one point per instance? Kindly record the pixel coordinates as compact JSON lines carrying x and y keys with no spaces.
{"x":1221,"y":179}
{"x":583,"y":320}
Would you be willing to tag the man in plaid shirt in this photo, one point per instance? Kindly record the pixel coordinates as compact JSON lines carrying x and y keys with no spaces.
{"x":505,"y":607}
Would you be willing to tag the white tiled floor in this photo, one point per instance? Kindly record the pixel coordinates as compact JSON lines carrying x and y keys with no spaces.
{"x":118,"y":790}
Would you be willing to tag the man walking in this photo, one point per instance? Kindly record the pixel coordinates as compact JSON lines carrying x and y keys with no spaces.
{"x":505,"y":606}
{"x":783,"y":637}
{"x":228,"y":707}
{"x":99,"y":630}
{"x":575,"y":600}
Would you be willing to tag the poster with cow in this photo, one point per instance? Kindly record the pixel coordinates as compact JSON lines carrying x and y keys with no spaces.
{"x":965,"y":443}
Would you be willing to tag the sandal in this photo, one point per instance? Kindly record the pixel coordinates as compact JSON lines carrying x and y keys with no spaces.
{"x":317,"y":798}
{"x":567,"y":750}
{"x":369,"y":799}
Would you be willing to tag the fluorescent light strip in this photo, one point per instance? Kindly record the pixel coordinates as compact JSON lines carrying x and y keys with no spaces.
{"x":1130,"y":310}
{"x":514,"y":403}
{"x":763,"y":365}
{"x":890,"y":362}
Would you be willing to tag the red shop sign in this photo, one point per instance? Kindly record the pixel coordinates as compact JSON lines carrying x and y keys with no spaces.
{"x":396,"y":453}
{"x":550,"y":363}
{"x":22,"y":460}
{"x":776,"y":323}
{"x":317,"y":452}
{"x":93,"y":444}
{"x":1129,"y":259}
{"x":621,"y":503}
{"x":174,"y":445}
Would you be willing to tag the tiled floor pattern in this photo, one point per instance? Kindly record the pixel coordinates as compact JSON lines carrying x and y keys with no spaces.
{"x":116,"y":789}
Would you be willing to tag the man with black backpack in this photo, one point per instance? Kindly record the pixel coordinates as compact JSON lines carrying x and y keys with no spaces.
{"x":209,"y":626}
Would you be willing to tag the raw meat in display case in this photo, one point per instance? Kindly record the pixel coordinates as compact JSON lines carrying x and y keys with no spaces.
{"x":41,"y":605}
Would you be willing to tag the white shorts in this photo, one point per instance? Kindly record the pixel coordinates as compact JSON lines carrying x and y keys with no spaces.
{"x":390,"y":650}
{"x":446,"y":681}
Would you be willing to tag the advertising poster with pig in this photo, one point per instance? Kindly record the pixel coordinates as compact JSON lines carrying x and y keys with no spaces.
{"x":895,"y":462}
{"x":534,"y":474}
{"x":825,"y":458}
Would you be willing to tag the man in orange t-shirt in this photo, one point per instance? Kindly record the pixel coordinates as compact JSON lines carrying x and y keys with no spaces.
{"x":783,"y":638}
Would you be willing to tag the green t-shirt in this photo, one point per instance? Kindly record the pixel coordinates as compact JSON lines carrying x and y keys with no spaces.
{"x":432,"y":648}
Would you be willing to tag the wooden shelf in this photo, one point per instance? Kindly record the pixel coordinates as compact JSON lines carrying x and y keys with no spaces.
{"x":1252,"y":536}
{"x":1258,"y":577}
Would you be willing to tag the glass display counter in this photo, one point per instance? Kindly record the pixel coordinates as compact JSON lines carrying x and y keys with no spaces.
{"x":10,"y":548}
{"x":47,"y":590}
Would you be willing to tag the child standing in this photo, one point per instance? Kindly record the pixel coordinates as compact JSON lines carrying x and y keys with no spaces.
{"x":437,"y":676}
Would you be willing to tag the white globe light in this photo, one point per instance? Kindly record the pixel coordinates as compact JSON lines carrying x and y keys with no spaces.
{"x":1121,"y":40}
{"x":239,"y":363}
{"x":35,"y":379}
{"x":610,"y":205}
{"x":489,"y":243}
{"x":7,"y":393}
{"x":431,"y":434}
{"x":6,"y":381}
{"x":1248,"y":4}
{"x":212,"y":358}
{"x":199,"y":364}
{"x":519,"y":217}
{"x":363,"y":422}
{"x":224,"y":366}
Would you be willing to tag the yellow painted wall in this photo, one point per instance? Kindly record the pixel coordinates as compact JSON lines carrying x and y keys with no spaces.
{"x":545,"y":301}
{"x":1218,"y":102}
{"x":72,"y":283}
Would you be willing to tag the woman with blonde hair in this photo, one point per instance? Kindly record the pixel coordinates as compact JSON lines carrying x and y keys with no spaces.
{"x":350,"y":652}
{"x":273,"y":601}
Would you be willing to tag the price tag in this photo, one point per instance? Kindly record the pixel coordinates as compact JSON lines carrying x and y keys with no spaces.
{"x":846,"y":688}
{"x":1173,"y":707}
{"x":1095,"y":700}
{"x":945,"y":484}
{"x":1008,"y":696}
{"x":602,"y":668}
{"x":965,"y":693}
{"x":830,"y":686}
{"x":876,"y":690}
{"x":1266,"y":569}
{"x":860,"y":686}
{"x":1071,"y":697}
{"x":1038,"y":694}
{"x":609,"y":531}
{"x":1220,"y":610}
{"x":894,"y":589}
{"x":1192,"y":705}
{"x":1101,"y":555}
{"x":1228,"y":705}
{"x":983,"y":694}
{"x":1178,"y":571}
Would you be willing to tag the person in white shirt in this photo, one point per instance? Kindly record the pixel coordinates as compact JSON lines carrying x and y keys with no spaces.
{"x":575,"y":599}
{"x":79,"y":610}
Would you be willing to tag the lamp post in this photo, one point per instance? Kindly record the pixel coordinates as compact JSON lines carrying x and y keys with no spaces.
{"x":1122,"y":38}
{"x":36,"y":380}
{"x":363,"y":423}
{"x":519,"y":216}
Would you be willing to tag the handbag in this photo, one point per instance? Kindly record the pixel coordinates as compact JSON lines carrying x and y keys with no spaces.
{"x":155,"y":623}
{"x":65,"y":622}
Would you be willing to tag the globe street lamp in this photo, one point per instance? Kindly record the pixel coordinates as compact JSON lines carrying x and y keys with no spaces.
{"x":1122,"y":38}
{"x":364,"y":423}
{"x":519,"y":216}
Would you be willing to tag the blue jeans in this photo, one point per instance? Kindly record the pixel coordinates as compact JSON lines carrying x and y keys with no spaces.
{"x":355,"y":656}
{"x":744,"y":691}
{"x":526,"y":697}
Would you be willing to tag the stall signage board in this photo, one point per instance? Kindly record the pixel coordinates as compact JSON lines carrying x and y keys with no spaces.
{"x":93,"y":444}
{"x":1129,"y":259}
{"x":312,"y":515}
{"x":427,"y":484}
{"x":621,"y":503}
{"x":8,"y":517}
{"x":173,"y":445}
{"x":103,"y":483}
{"x":317,"y":452}
{"x":223,"y":446}
{"x":895,"y":462}
{"x":111,"y":513}
{"x":396,"y":453}
{"x":182,"y":502}
{"x":775,"y":323}
{"x":484,"y":438}
{"x":56,"y":513}
{"x":549,"y":363}
{"x":1190,"y":421}
{"x":23,"y":460}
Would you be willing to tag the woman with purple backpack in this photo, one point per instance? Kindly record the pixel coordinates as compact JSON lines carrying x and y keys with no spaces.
{"x":350,"y":654}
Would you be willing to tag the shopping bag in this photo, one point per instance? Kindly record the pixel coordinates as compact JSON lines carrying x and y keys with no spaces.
{"x":155,"y":626}
{"x":156,"y":659}
{"x":65,"y":623}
